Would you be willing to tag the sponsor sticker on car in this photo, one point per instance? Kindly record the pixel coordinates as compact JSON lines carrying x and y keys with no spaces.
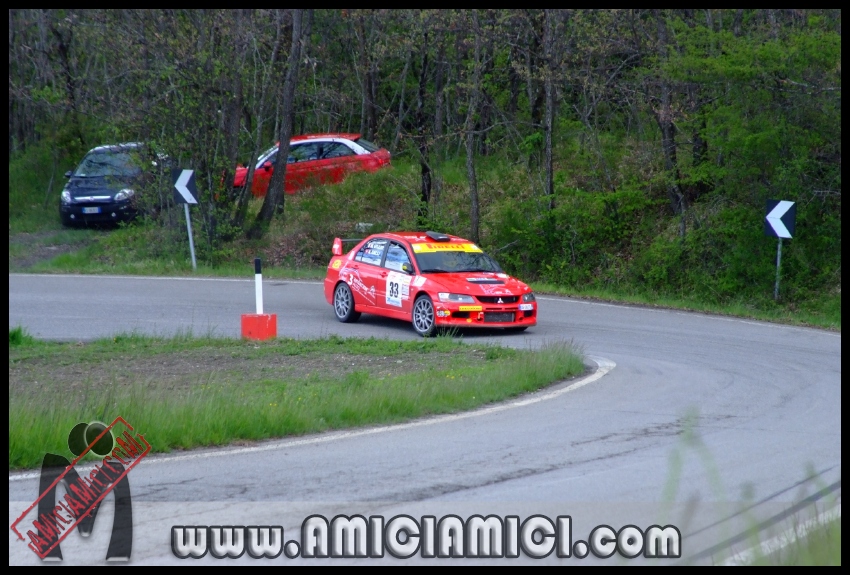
{"x":426,"y":248}
{"x":470,"y":308}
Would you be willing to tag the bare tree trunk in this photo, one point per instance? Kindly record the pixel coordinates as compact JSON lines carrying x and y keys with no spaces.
{"x":401,"y":112}
{"x":421,"y":133}
{"x":232,"y":122}
{"x":64,"y":48}
{"x":245,"y":193}
{"x":368,"y":120}
{"x":664,"y":117}
{"x":439,"y":89}
{"x":549,"y":56}
{"x":470,"y":132}
{"x":485,"y":105}
{"x":536,"y":53}
{"x":700,"y":145}
{"x":371,"y":107}
{"x":736,"y":22}
{"x":275,"y":202}
{"x":233,"y":111}
{"x":513,"y":83}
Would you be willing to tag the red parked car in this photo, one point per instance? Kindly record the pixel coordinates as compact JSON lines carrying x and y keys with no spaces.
{"x":430,"y":279}
{"x":316,"y":159}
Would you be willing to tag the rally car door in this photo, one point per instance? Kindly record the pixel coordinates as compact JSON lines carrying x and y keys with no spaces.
{"x":395,"y":294}
{"x":363,"y":274}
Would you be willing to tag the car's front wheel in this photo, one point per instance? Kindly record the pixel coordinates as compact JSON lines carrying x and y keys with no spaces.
{"x":423,"y":316}
{"x":344,"y":304}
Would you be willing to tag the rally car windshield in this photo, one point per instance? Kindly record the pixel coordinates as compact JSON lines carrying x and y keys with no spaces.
{"x":456,"y":261}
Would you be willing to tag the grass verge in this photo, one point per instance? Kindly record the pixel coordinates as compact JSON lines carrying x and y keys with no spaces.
{"x":808,"y":545}
{"x":821,"y":546}
{"x":824,"y":313}
{"x":186,"y":392}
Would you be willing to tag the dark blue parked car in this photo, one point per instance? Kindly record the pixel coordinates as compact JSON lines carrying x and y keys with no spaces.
{"x":104,"y":186}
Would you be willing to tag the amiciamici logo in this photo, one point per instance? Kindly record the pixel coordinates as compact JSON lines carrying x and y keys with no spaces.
{"x":120,"y":449}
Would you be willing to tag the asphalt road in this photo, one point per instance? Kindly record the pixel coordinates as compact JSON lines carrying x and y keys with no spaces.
{"x":711,"y":424}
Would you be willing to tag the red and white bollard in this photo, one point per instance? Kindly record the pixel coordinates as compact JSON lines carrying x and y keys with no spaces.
{"x":259,"y":325}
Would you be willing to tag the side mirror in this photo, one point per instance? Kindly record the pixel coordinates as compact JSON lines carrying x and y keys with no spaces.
{"x":407,"y":268}
{"x":267,"y":166}
{"x":69,"y":173}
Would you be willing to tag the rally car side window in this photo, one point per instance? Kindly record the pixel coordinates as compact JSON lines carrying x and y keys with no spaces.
{"x":396,"y":257}
{"x":371,"y":252}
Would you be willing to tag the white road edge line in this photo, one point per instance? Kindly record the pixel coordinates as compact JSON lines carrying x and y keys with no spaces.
{"x":787,"y":537}
{"x":603,"y":367}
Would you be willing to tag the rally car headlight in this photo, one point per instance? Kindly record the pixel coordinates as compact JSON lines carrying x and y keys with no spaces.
{"x":527,"y":297}
{"x":456,"y":298}
{"x":124,"y":194}
{"x":66,"y":197}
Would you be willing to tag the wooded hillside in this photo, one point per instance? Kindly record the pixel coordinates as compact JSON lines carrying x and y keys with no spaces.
{"x":584,"y":147}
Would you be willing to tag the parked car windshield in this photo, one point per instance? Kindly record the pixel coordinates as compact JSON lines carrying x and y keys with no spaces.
{"x":108,"y":163}
{"x":269,"y":155}
{"x":456,"y":261}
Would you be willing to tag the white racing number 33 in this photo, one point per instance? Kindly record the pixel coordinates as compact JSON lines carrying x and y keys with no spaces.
{"x":398,"y":288}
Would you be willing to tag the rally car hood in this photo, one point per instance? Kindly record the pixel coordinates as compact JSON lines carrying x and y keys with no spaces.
{"x":478,"y":283}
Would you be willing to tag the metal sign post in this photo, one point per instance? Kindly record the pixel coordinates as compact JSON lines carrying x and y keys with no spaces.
{"x":192,"y":241}
{"x":780,"y":222}
{"x":185,"y":192}
{"x":778,"y":260}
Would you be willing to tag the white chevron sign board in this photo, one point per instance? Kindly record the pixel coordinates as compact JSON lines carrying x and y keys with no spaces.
{"x":185,"y":192}
{"x":781,"y":219}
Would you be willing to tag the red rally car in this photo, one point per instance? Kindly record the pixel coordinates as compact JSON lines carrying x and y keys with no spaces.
{"x":431,"y":279}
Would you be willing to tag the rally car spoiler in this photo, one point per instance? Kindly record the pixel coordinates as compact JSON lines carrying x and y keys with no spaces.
{"x":337,"y":247}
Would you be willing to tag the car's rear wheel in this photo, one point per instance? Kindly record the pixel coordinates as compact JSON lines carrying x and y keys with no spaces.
{"x":423,"y":316}
{"x":344,"y":304}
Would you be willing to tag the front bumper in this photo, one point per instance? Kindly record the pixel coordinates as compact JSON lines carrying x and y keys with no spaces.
{"x":513,"y":315}
{"x":97,"y":213}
